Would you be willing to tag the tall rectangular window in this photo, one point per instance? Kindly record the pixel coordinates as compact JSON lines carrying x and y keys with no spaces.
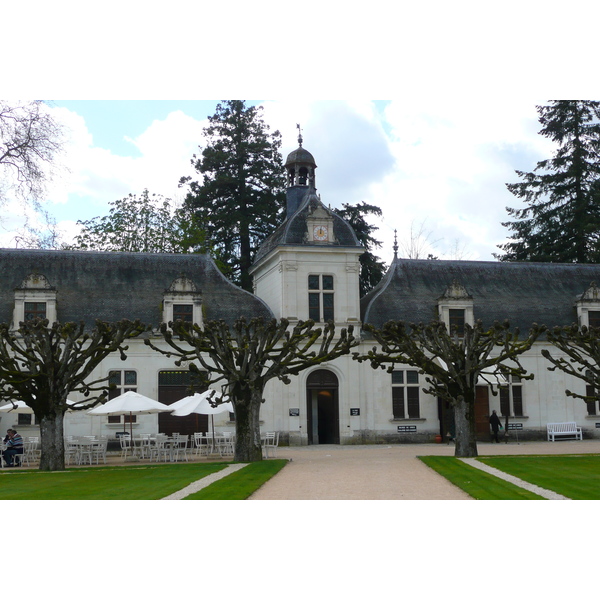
{"x":594,"y":318}
{"x":592,"y":405}
{"x":320,"y":298}
{"x":511,"y":398}
{"x":124,"y":381}
{"x":405,"y":394}
{"x":457,"y":321}
{"x":35,"y":310}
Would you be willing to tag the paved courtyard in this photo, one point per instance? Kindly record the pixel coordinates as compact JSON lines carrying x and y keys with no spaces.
{"x":384,"y":472}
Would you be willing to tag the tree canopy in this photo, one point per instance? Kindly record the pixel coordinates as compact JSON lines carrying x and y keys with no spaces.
{"x":453,"y":364}
{"x":241,"y":196}
{"x":42,"y":364}
{"x":561,"y":222}
{"x":246,"y":356}
{"x":149,"y":223}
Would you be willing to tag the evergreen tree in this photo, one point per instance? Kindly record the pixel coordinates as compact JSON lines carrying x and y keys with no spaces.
{"x":562,"y":220}
{"x":242,"y":193}
{"x":372,"y":267}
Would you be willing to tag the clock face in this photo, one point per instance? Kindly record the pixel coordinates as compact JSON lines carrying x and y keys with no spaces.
{"x":320,"y":233}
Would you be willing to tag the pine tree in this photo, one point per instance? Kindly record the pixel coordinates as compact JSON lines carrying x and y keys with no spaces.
{"x":562,"y":220}
{"x":372,"y":267}
{"x":241,"y":197}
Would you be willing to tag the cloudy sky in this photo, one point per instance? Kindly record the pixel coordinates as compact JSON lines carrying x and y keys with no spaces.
{"x":436,"y":169}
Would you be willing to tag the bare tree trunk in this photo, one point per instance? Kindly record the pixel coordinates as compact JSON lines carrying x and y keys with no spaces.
{"x":52,"y":443}
{"x":464,"y":418}
{"x":247,"y":428}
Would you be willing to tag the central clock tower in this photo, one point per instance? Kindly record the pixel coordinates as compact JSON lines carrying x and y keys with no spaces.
{"x":309,"y":267}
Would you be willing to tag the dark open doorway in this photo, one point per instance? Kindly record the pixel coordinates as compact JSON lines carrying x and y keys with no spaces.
{"x":323,"y":408}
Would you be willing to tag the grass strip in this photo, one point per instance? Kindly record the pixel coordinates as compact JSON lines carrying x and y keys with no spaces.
{"x":241,"y":484}
{"x":573,"y":476}
{"x":476,"y":483}
{"x":144,"y":482}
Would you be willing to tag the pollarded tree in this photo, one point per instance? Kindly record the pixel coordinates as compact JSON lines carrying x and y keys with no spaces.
{"x":241,"y":197}
{"x":581,"y":345}
{"x":562,"y":220}
{"x":42,"y":365}
{"x":453,"y":363}
{"x":247,"y":356}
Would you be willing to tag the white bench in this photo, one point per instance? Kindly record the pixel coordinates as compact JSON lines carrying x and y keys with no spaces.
{"x":571,"y":430}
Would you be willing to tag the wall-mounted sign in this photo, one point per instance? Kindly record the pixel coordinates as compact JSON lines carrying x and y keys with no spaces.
{"x":294,"y":412}
{"x":407,"y":428}
{"x":354,"y":412}
{"x":597,"y":425}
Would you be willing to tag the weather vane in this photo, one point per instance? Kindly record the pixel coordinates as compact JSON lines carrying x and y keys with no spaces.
{"x":299,"y":134}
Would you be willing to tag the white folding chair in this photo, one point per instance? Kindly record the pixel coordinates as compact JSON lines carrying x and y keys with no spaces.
{"x":159,"y":449}
{"x":98,"y":449}
{"x":180,"y":447}
{"x":202,"y":445}
{"x":225,"y":444}
{"x":125,"y":442}
{"x":270,"y":443}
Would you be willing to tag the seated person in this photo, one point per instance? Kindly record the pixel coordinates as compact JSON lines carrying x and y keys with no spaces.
{"x":14,"y":445}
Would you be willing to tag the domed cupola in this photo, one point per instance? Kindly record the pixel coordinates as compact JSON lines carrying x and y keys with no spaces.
{"x":300,"y":167}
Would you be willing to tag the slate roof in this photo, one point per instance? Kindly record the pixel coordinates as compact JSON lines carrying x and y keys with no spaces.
{"x":292,"y":231}
{"x":523,"y":293}
{"x":114,"y":285}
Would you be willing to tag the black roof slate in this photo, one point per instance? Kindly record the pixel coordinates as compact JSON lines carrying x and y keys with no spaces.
{"x":523,"y":293}
{"x":293,"y":230}
{"x":114,"y":285}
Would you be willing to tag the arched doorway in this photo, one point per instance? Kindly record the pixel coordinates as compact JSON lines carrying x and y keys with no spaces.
{"x":323,"y":408}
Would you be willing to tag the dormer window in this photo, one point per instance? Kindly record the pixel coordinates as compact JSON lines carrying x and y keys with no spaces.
{"x":455,"y":308}
{"x":588,"y":307}
{"x":183,"y":312}
{"x":182,"y":301}
{"x":34,"y":298}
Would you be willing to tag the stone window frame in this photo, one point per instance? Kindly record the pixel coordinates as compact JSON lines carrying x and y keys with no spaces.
{"x":588,"y":302}
{"x":34,"y":288}
{"x":182,"y":291}
{"x":455,"y":297}
{"x":400,"y":394}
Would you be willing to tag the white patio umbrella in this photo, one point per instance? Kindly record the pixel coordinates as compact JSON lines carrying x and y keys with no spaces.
{"x":19,"y":407}
{"x":130,"y":403}
{"x":198,"y":403}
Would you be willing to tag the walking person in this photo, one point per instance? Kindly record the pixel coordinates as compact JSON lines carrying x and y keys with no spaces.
{"x":495,"y":425}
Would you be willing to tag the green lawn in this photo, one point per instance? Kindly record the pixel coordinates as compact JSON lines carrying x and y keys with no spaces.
{"x":476,"y":483}
{"x":143,"y":482}
{"x":241,"y":484}
{"x":574,"y":476}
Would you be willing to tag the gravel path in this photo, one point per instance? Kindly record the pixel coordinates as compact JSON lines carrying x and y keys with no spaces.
{"x":385,"y":472}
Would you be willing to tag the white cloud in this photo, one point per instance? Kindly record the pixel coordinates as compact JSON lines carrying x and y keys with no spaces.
{"x":443,"y":162}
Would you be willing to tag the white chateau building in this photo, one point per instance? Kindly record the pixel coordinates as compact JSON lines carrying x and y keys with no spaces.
{"x":309,"y":268}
